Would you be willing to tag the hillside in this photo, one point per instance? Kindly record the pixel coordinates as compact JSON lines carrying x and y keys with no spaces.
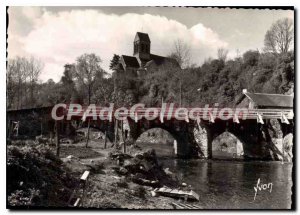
{"x":220,"y":82}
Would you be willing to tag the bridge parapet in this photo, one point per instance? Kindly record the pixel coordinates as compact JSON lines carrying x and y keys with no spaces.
{"x":185,"y":114}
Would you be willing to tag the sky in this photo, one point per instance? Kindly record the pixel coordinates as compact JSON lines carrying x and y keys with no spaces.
{"x":58,"y":35}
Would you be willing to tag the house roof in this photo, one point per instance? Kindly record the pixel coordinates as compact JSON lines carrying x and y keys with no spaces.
{"x":142,"y":37}
{"x":130,"y":61}
{"x":269,"y":100}
{"x":157,"y":59}
{"x":30,"y":109}
{"x":160,"y":60}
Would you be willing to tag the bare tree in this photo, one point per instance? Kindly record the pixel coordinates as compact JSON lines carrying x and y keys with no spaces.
{"x":33,"y":69}
{"x":17,"y":76}
{"x":222,"y":54}
{"x":87,"y":71}
{"x":280,"y":37}
{"x":181,"y":53}
{"x":20,"y":73}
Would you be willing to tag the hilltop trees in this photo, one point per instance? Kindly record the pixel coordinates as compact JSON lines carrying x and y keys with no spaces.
{"x":220,"y":82}
{"x":251,"y":58}
{"x":214,"y":81}
{"x":222,"y":54}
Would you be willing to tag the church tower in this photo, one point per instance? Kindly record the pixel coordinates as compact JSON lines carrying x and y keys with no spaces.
{"x":141,"y":46}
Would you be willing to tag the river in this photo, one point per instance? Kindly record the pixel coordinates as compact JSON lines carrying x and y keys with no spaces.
{"x":230,"y":184}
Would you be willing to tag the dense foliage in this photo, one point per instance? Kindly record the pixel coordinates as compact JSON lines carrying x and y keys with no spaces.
{"x":220,"y":82}
{"x":216,"y":81}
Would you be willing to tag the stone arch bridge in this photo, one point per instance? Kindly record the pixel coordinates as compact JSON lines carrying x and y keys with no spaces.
{"x":256,"y":132}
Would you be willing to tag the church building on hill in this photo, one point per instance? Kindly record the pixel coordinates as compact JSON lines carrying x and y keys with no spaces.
{"x":142,"y":60}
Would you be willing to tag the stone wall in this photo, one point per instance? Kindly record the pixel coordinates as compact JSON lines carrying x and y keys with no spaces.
{"x":279,"y":145}
{"x":200,"y":135}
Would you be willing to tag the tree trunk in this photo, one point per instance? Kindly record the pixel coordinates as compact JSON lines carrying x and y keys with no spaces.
{"x":89,"y":94}
{"x":88,"y":134}
{"x":41,"y":127}
{"x":180,"y":98}
{"x":57,"y":138}
{"x":105,"y":139}
{"x":123,"y":139}
{"x":116,"y":133}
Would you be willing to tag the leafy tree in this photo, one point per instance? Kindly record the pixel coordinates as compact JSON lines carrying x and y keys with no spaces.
{"x":87,"y":71}
{"x":104,"y":89}
{"x":49,"y":94}
{"x":114,"y":62}
{"x":68,"y":89}
{"x":251,"y":58}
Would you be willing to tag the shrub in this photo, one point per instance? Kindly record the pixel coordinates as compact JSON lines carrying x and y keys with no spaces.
{"x":122,"y":184}
{"x":140,"y":192}
{"x":36,"y":177}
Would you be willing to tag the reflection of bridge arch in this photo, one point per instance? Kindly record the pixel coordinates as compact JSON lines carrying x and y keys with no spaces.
{"x":227,"y":146}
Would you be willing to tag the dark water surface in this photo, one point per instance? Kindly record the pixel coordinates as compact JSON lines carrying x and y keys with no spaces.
{"x":230,"y":184}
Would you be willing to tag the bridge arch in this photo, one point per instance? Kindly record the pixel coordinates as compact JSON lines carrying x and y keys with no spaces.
{"x":103,"y":127}
{"x":180,"y":131}
{"x":159,"y":139}
{"x":227,"y":146}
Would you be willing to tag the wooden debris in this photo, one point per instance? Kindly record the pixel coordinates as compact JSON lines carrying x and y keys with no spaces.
{"x":177,"y":193}
{"x":85,"y":176}
{"x":185,"y":206}
{"x":77,"y":202}
{"x":177,"y":206}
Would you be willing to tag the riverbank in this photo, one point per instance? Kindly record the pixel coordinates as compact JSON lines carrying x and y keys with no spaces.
{"x":127,"y":180}
{"x":121,"y":180}
{"x":116,"y":180}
